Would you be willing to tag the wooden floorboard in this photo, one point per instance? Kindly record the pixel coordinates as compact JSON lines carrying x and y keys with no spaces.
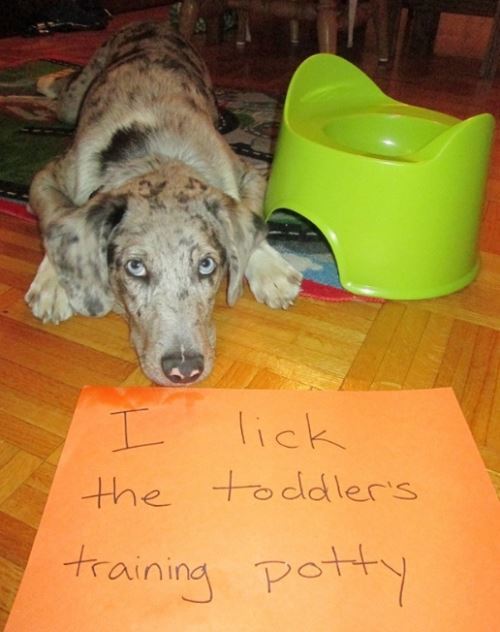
{"x":450,"y":341}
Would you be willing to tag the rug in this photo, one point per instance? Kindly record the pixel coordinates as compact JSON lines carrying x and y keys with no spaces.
{"x":30,"y":135}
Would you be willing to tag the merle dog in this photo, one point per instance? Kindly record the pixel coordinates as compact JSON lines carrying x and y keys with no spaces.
{"x":150,"y":208}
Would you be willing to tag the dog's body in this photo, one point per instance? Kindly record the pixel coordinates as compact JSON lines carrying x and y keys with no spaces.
{"x":149,"y":207}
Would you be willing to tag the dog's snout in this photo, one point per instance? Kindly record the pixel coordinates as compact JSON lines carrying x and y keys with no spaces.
{"x":182,"y":368}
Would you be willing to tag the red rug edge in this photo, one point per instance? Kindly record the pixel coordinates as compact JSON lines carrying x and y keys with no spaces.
{"x":318,"y":291}
{"x":17,"y":209}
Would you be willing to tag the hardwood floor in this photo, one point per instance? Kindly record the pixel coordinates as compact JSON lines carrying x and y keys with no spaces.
{"x":451,"y":341}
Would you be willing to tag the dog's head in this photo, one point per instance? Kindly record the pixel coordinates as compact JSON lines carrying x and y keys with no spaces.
{"x":158,"y":249}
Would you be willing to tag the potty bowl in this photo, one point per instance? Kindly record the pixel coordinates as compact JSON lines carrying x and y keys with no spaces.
{"x":396,"y":190}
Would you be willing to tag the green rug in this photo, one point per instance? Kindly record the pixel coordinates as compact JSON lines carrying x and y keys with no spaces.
{"x":21,"y":155}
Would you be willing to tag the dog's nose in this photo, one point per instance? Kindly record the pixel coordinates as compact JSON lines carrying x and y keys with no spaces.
{"x":182,"y":368}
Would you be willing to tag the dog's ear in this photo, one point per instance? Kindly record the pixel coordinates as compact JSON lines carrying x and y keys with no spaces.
{"x":242,"y":231}
{"x":77,"y":244}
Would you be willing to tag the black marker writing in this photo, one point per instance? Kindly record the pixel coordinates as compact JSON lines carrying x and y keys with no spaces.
{"x":126,"y":494}
{"x":276,"y":571}
{"x":324,"y":488}
{"x":286,"y":438}
{"x":128,"y":445}
{"x":139,"y":570}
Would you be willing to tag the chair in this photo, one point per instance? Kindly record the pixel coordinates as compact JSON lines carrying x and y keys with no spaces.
{"x":326,"y":13}
{"x":423,"y":22}
{"x":397,"y":190}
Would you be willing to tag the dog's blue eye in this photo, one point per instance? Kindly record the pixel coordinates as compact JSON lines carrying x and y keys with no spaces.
{"x":206,"y":266}
{"x":136,"y":268}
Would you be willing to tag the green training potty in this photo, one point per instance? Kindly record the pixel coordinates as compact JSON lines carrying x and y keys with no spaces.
{"x":396,"y":190}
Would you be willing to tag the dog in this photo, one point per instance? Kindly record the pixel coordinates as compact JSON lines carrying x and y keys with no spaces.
{"x":149,"y":209}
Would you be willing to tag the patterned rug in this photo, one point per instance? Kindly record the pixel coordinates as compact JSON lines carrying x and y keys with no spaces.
{"x":30,"y":135}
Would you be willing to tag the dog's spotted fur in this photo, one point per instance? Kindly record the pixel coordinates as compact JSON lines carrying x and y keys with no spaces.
{"x":149,"y":207}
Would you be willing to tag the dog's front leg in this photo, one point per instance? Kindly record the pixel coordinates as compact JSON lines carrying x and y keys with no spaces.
{"x":272,"y":279}
{"x":46,"y":297}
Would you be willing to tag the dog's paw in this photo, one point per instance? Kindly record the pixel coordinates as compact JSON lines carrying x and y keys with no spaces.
{"x":272,"y":279}
{"x":47,"y":300}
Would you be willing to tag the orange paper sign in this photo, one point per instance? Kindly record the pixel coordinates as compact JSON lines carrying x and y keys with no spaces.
{"x":254,"y":511}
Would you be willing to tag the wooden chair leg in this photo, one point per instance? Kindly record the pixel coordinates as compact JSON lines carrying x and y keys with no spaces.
{"x":242,"y":34}
{"x":490,"y":62}
{"x":294,"y":30}
{"x":327,"y":26}
{"x":188,"y":16}
{"x":380,"y":10}
{"x":424,"y":24}
{"x":394,"y":24}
